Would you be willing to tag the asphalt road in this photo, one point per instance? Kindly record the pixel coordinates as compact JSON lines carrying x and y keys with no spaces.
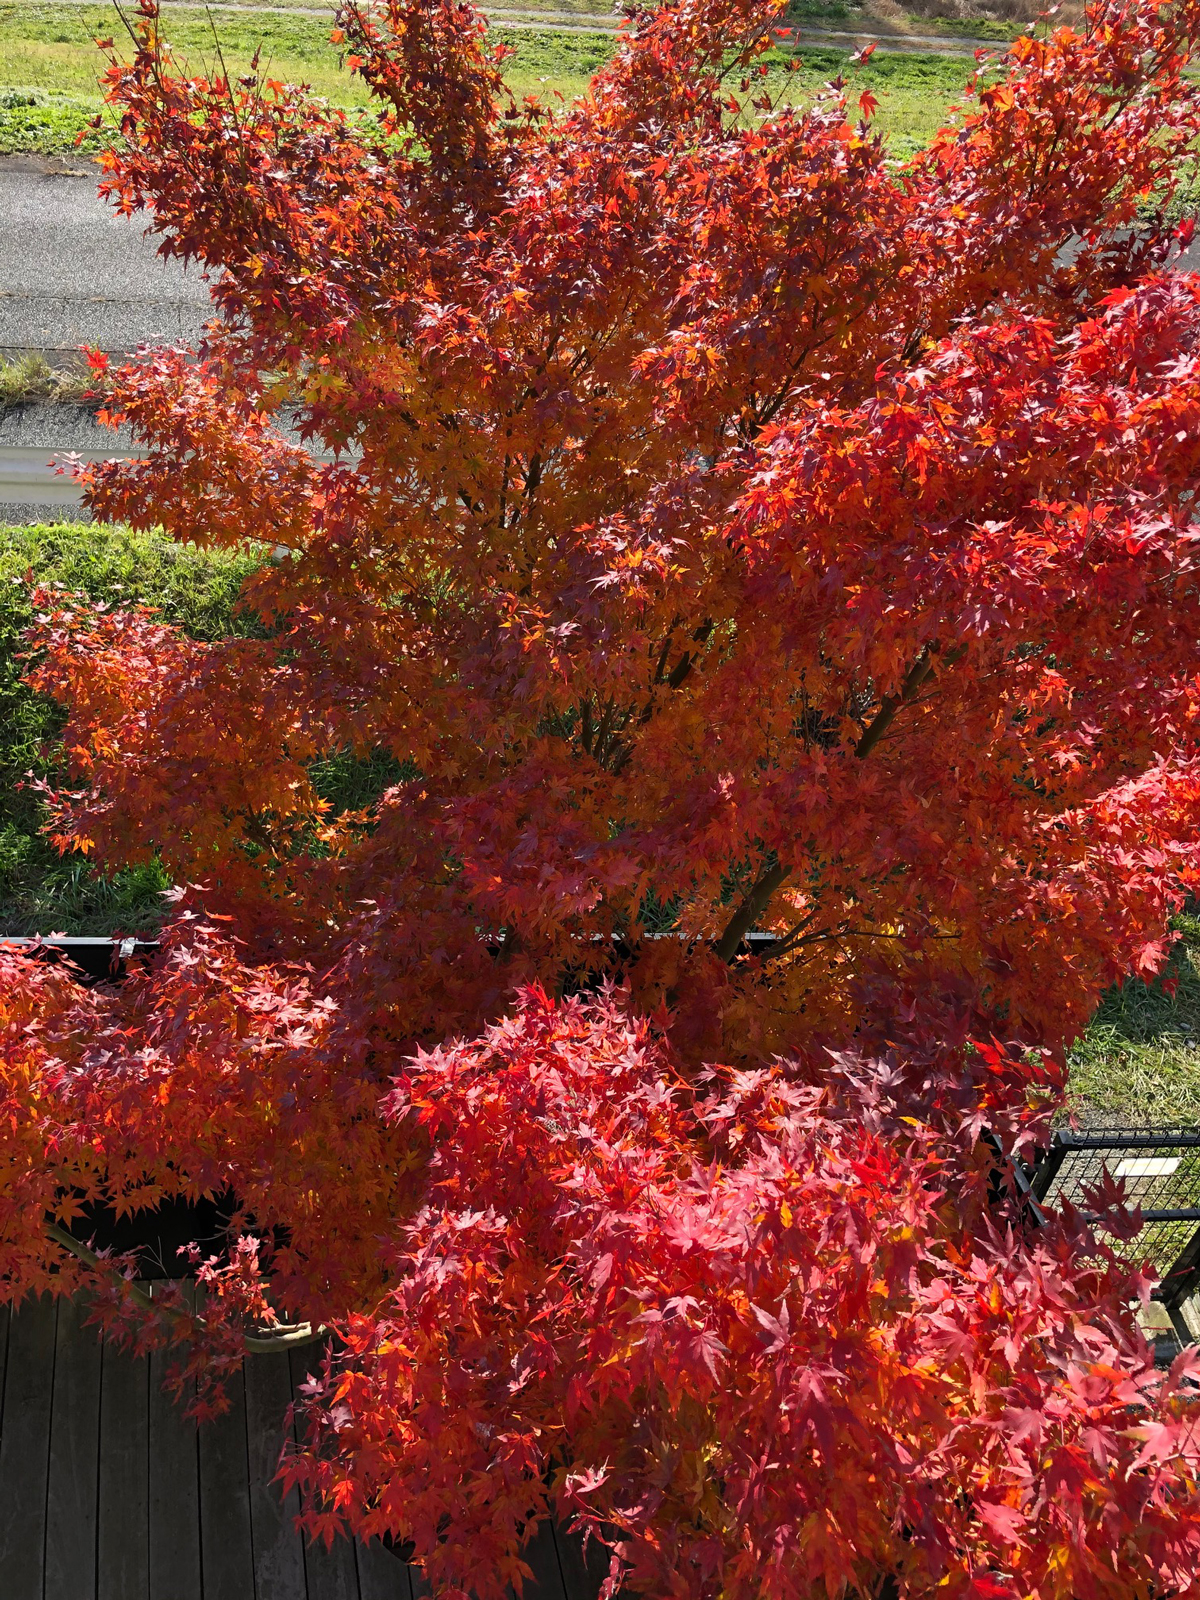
{"x":72,"y":272}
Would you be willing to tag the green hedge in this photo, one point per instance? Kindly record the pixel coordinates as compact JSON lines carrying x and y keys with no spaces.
{"x":41,"y":891}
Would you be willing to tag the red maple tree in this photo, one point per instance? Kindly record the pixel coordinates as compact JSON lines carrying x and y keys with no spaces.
{"x":727,"y":531}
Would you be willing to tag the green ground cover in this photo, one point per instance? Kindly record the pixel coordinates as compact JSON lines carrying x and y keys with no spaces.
{"x":34,"y":122}
{"x":50,"y":64}
{"x":197,"y":590}
{"x":41,"y":891}
{"x":1139,"y":1062}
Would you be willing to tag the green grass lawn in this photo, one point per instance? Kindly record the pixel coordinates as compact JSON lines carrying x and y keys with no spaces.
{"x":49,"y":66}
{"x":1139,"y":1062}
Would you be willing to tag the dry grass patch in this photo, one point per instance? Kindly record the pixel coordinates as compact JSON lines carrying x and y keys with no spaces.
{"x":27,"y":379}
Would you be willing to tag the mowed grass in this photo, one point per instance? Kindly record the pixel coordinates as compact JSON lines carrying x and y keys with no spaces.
{"x":49,"y":67}
{"x":1138,"y":1064}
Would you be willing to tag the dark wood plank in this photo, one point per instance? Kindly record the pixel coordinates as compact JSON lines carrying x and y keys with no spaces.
{"x":5,"y":1318}
{"x":4,"y":1321}
{"x":175,"y":1572}
{"x":541,"y":1555}
{"x":331,"y":1574}
{"x":380,"y":1575}
{"x":25,"y":1448}
{"x":225,"y":1543}
{"x":122,"y":1545}
{"x":378,"y":1572}
{"x":582,"y":1576}
{"x":73,"y":1489}
{"x":278,"y":1546}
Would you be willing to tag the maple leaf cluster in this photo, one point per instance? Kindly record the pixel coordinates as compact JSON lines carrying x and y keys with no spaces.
{"x":783,"y":1370}
{"x":771,"y":570}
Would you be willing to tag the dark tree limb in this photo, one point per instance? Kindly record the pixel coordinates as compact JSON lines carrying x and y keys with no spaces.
{"x":755,"y":901}
{"x":617,"y":748}
{"x":914,"y":679}
{"x":284,"y":1336}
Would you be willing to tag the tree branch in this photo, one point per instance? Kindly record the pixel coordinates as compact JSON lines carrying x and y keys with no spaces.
{"x":920,"y":671}
{"x":797,"y":935}
{"x":622,"y":748}
{"x":753,"y":904}
{"x":585,"y":725}
{"x":287,"y":1337}
{"x":755,"y":901}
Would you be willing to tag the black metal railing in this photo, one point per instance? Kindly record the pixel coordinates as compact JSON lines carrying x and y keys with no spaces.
{"x":1160,"y":1169}
{"x":96,"y":956}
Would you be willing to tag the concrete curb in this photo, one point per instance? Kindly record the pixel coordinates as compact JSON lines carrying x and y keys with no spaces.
{"x":29,"y":477}
{"x":34,"y":438}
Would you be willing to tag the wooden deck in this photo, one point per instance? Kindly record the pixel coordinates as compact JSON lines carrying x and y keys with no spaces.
{"x":106,"y":1493}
